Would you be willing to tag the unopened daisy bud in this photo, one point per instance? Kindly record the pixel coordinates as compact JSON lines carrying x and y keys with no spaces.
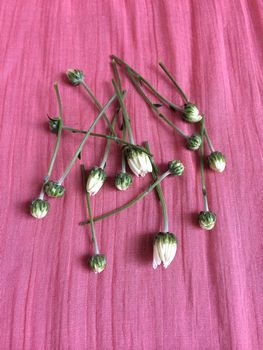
{"x":139,"y":162}
{"x":194,"y":142}
{"x":54,"y":125}
{"x":53,"y":189}
{"x":164,"y":249}
{"x":98,"y":263}
{"x":176,"y":168}
{"x":217,"y":161}
{"x":207,"y":220}
{"x":96,"y":179}
{"x":123,"y":181}
{"x":75,"y":76}
{"x":39,"y":208}
{"x":191,"y":113}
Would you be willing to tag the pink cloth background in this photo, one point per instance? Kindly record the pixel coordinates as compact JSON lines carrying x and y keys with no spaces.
{"x":211,"y":296}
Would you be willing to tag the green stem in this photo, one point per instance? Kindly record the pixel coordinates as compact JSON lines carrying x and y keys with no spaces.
{"x":124,"y":112}
{"x":114,"y":138}
{"x":174,"y":82}
{"x":136,"y":199}
{"x":97,"y":103}
{"x":209,"y":141}
{"x":60,"y":127}
{"x":85,"y":139}
{"x":159,"y":191}
{"x":116,"y":74}
{"x":154,"y":91}
{"x":206,"y":208}
{"x":123,"y":162}
{"x":107,"y":148}
{"x":153,"y":107}
{"x":92,"y":227}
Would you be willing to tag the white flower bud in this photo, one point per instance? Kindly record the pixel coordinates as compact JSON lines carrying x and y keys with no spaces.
{"x":217,"y":161}
{"x":98,"y":263}
{"x":39,"y":208}
{"x":139,"y":162}
{"x":96,"y":179}
{"x":123,"y":181}
{"x":164,"y":249}
{"x":191,"y":113}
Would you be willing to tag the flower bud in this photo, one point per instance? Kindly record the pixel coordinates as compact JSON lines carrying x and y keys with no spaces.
{"x":164,"y":249}
{"x":191,"y":113}
{"x":207,"y":220}
{"x":53,"y":189}
{"x":217,"y":161}
{"x":96,"y":179}
{"x":176,"y":168}
{"x":123,"y":181}
{"x":54,"y":125}
{"x":75,"y":76}
{"x":194,"y":142}
{"x":139,"y":162}
{"x":98,"y":263}
{"x":39,"y":208}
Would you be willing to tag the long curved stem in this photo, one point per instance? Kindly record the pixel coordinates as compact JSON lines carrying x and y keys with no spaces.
{"x":206,"y":208}
{"x":136,"y":199}
{"x":60,"y":127}
{"x":153,"y":107}
{"x":85,"y":139}
{"x":174,"y":82}
{"x":92,"y":227}
{"x":97,"y":103}
{"x":124,"y":112}
{"x":150,"y":87}
{"x":159,"y":191}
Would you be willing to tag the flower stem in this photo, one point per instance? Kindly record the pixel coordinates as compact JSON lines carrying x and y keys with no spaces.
{"x":153,"y":106}
{"x":107,"y":148}
{"x":99,"y":106}
{"x":174,"y":82}
{"x":206,"y":208}
{"x":124,"y":112}
{"x":113,"y":138}
{"x":85,"y":139}
{"x":150,"y":87}
{"x":159,"y":191}
{"x":127,"y":205}
{"x":123,"y":162}
{"x":92,"y":227}
{"x":116,"y":74}
{"x":209,"y":141}
{"x":60,"y":127}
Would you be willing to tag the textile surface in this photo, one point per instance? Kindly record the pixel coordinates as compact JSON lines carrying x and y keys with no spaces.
{"x":211,"y":296}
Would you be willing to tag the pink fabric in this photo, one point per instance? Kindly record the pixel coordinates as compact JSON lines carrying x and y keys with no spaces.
{"x":211,"y":295}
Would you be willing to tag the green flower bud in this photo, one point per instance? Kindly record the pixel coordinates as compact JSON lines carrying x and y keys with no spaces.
{"x":75,"y":76}
{"x":98,"y":263}
{"x":164,"y":249}
{"x":191,"y":113}
{"x":207,"y":220}
{"x":217,"y":161}
{"x":123,"y":181}
{"x":39,"y":208}
{"x":194,"y":142}
{"x":53,"y":189}
{"x":176,"y":168}
{"x":96,"y":179}
{"x":54,"y":125}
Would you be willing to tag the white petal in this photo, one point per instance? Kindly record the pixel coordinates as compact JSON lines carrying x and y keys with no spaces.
{"x":133,"y":167}
{"x":156,"y":258}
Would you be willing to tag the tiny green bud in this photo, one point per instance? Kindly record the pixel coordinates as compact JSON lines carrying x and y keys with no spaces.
{"x":96,"y":179}
{"x":53,"y":189}
{"x":176,"y":168}
{"x":123,"y":181}
{"x":39,"y":208}
{"x":98,"y":263}
{"x":216,"y":161}
{"x":191,"y":113}
{"x":164,"y":249}
{"x":75,"y":76}
{"x":194,"y":142}
{"x":207,"y":220}
{"x":54,"y":125}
